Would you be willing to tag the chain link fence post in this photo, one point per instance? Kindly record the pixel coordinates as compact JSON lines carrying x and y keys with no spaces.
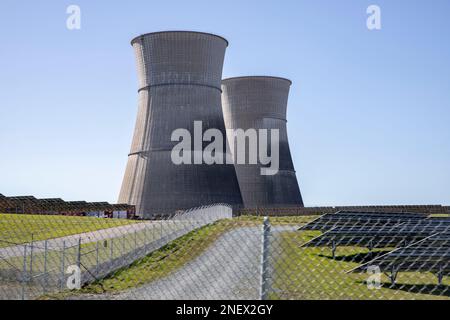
{"x":31,"y":256}
{"x":79,"y":254}
{"x":264,"y":281}
{"x":145,"y":236}
{"x":45,"y":266}
{"x":96,"y":258}
{"x":111,"y":250}
{"x":63,"y":260}
{"x":124,"y":245}
{"x":24,"y":271}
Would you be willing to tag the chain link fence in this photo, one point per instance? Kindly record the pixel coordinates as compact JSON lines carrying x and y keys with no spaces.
{"x":206,"y":253}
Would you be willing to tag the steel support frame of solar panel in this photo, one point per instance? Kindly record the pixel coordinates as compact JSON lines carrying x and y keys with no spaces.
{"x":422,"y":256}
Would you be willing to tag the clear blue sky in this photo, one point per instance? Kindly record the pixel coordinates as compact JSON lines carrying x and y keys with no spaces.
{"x":369,"y":111}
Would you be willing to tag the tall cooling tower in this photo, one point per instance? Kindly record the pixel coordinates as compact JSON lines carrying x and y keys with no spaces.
{"x":261,"y":103}
{"x":179,"y":83}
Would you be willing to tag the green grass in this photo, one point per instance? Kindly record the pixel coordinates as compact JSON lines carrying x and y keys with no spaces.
{"x":159,"y":263}
{"x":21,"y":228}
{"x":166,"y":260}
{"x":174,"y":255}
{"x":311,"y":273}
{"x":108,"y":249}
{"x":440,"y":215}
{"x":299,"y":273}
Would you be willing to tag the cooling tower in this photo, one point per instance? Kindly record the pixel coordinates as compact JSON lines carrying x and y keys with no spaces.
{"x":179,"y":83}
{"x":261,"y":103}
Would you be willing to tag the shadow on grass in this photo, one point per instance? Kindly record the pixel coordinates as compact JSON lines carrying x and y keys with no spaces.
{"x":431,"y":289}
{"x":357,"y":257}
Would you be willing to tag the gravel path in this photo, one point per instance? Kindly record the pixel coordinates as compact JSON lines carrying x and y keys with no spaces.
{"x":228,"y":269}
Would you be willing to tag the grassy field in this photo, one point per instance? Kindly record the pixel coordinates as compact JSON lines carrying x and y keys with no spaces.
{"x":177,"y":253}
{"x":298,"y":273}
{"x":159,"y":263}
{"x":108,"y":249}
{"x":162,"y":262}
{"x":311,"y":273}
{"x":173,"y":256}
{"x":21,"y":228}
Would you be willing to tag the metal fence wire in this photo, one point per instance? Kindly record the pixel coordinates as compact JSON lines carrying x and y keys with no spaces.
{"x":206,"y":253}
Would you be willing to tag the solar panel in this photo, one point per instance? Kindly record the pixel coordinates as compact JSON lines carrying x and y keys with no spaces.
{"x":380,"y":214}
{"x":431,"y":254}
{"x":346,"y":218}
{"x":379,"y":235}
{"x":23,"y":198}
{"x":30,"y":204}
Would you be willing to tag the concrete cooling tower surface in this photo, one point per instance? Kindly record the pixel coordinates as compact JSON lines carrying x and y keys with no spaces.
{"x":261,"y":103}
{"x":179,"y":83}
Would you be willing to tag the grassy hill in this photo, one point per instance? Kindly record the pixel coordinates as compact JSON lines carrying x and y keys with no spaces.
{"x":21,"y":228}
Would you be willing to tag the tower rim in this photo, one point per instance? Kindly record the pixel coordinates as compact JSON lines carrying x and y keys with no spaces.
{"x":257,"y":77}
{"x":177,"y":31}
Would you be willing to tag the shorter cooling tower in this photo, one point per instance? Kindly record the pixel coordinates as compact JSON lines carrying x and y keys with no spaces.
{"x":260,"y":102}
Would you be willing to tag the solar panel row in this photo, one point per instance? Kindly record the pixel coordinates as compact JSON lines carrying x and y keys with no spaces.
{"x":419,"y":243}
{"x":431,"y":254}
{"x":30,"y":204}
{"x":346,"y":218}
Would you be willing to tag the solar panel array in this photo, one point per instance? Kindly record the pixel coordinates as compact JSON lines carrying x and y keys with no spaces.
{"x":380,"y":236}
{"x":30,"y":204}
{"x":418,"y":243}
{"x":431,"y":254}
{"x":350,"y":219}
